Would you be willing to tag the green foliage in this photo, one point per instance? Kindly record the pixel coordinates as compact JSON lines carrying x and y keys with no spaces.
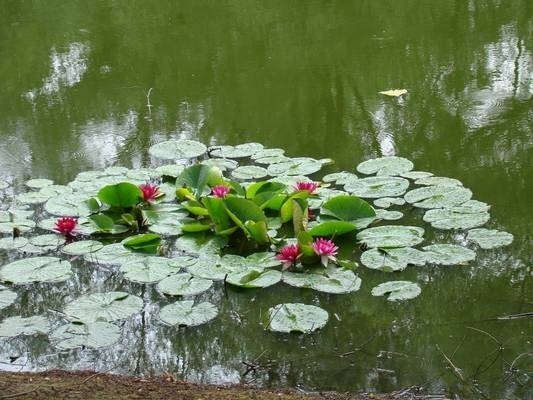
{"x":146,"y":243}
{"x":122,"y":195}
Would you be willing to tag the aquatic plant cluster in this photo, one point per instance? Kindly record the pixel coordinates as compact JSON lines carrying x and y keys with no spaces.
{"x":201,"y":217}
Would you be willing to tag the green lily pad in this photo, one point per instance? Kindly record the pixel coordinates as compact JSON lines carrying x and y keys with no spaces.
{"x":438,"y":196}
{"x":153,"y":269}
{"x":388,"y":215}
{"x":38,"y":183}
{"x":82,"y":247}
{"x":54,"y":190}
{"x":267,"y":153}
{"x":184,"y":284}
{"x":295,"y":166}
{"x":19,"y":326}
{"x":91,"y":335}
{"x":16,"y":214}
{"x":263,"y":260}
{"x":296,"y":317}
{"x":448,"y":254}
{"x":224,"y":164}
{"x":449,"y":218}
{"x":347,"y":208}
{"x":254,"y":278}
{"x":438,"y":181}
{"x":385,"y":166}
{"x":173,"y":170}
{"x":49,"y":241}
{"x":394,"y":259}
{"x":386,"y":202}
{"x":272,"y":160}
{"x":185,"y":313}
{"x":330,"y":228}
{"x":10,"y":243}
{"x":110,"y":306}
{"x":69,"y":205}
{"x":216,"y":268}
{"x":198,"y":245}
{"x":248,"y":172}
{"x":471,"y":207}
{"x":114,"y":254}
{"x":391,"y":236}
{"x":32,"y":198}
{"x":36,"y":269}
{"x":397,"y":290}
{"x":115,"y":170}
{"x":7,"y":297}
{"x":22,"y":225}
{"x":378,"y":186}
{"x":340,"y":178}
{"x":330,"y":280}
{"x":489,"y":238}
{"x":414,"y":175}
{"x":239,"y":151}
{"x":176,"y":149}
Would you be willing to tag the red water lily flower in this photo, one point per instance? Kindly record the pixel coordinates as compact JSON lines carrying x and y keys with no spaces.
{"x":309,"y":186}
{"x":326,"y":250}
{"x":66,"y":226}
{"x":288,"y":255}
{"x":220,"y":191}
{"x":150,"y":192}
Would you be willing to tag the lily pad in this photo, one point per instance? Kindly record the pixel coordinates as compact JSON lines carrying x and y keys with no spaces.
{"x":49,"y":241}
{"x":215,"y":268}
{"x":450,"y":218}
{"x":438,"y":196}
{"x":22,"y":225}
{"x":386,"y":202}
{"x":386,"y":166}
{"x":110,"y":306}
{"x":394,"y":259}
{"x":340,"y":178}
{"x":378,"y":186}
{"x":448,"y":254}
{"x":394,"y":92}
{"x":248,"y":172}
{"x":330,"y":280}
{"x":391,"y":236}
{"x":296,"y":317}
{"x":254,"y":278}
{"x":38,"y":183}
{"x":397,"y":290}
{"x":414,"y":175}
{"x":91,"y":335}
{"x":153,"y":269}
{"x":272,"y":160}
{"x":114,"y":254}
{"x":32,"y":198}
{"x":489,"y":238}
{"x":184,"y":284}
{"x":36,"y":269}
{"x":438,"y":181}
{"x":69,"y":205}
{"x":224,"y":164}
{"x":10,"y":243}
{"x":3,"y":185}
{"x":18,"y":326}
{"x":82,"y":247}
{"x":295,"y":166}
{"x":239,"y":151}
{"x":172,"y":170}
{"x":267,"y":153}
{"x":388,"y":215}
{"x":176,"y":149}
{"x":185,"y":313}
{"x":7,"y":297}
{"x":263,"y":260}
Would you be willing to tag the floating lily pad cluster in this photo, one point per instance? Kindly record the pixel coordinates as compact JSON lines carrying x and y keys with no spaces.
{"x":245,"y":216}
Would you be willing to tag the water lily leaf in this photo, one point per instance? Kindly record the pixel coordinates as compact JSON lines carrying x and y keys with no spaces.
{"x":248,"y":172}
{"x":36,"y":269}
{"x":198,"y":177}
{"x":18,"y":326}
{"x":22,"y":225}
{"x":438,"y":181}
{"x":399,"y":290}
{"x":295,"y":166}
{"x":115,"y":170}
{"x":388,"y":215}
{"x":10,"y":243}
{"x":185,"y":313}
{"x":144,"y":243}
{"x":393,"y":259}
{"x":296,"y":317}
{"x":216,"y":269}
{"x":50,"y":241}
{"x":69,"y":205}
{"x":123,"y":194}
{"x":110,"y":306}
{"x":7,"y":297}
{"x":391,"y":236}
{"x":329,"y":280}
{"x":114,"y":254}
{"x":347,"y":208}
{"x":38,"y":183}
{"x":340,"y":178}
{"x":378,"y":186}
{"x":448,"y":254}
{"x":32,"y":198}
{"x":167,"y":223}
{"x":471,"y":207}
{"x":3,"y":185}
{"x":262,"y":260}
{"x":154,"y":269}
{"x":488,"y":238}
{"x":184,"y":284}
{"x":330,"y":228}
{"x":385,"y":166}
{"x":438,"y":196}
{"x":196,"y":245}
{"x":254,"y":278}
{"x":239,"y":151}
{"x":267,"y":153}
{"x":172,"y":170}
{"x":176,"y":149}
{"x":449,"y":218}
{"x":386,"y":202}
{"x":414,"y":175}
{"x":394,"y":92}
{"x":82,"y":247}
{"x":272,"y":160}
{"x":16,"y":214}
{"x":91,"y":335}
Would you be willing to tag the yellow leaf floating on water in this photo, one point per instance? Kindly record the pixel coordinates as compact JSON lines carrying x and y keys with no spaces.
{"x":394,"y":92}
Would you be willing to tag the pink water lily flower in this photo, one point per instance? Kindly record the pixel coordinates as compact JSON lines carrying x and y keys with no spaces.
{"x":309,"y":186}
{"x":66,"y":226}
{"x":220,"y":191}
{"x":150,"y":192}
{"x":326,"y":250}
{"x":288,"y":255}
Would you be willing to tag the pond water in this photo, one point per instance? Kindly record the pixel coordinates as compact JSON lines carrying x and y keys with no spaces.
{"x":88,"y":85}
